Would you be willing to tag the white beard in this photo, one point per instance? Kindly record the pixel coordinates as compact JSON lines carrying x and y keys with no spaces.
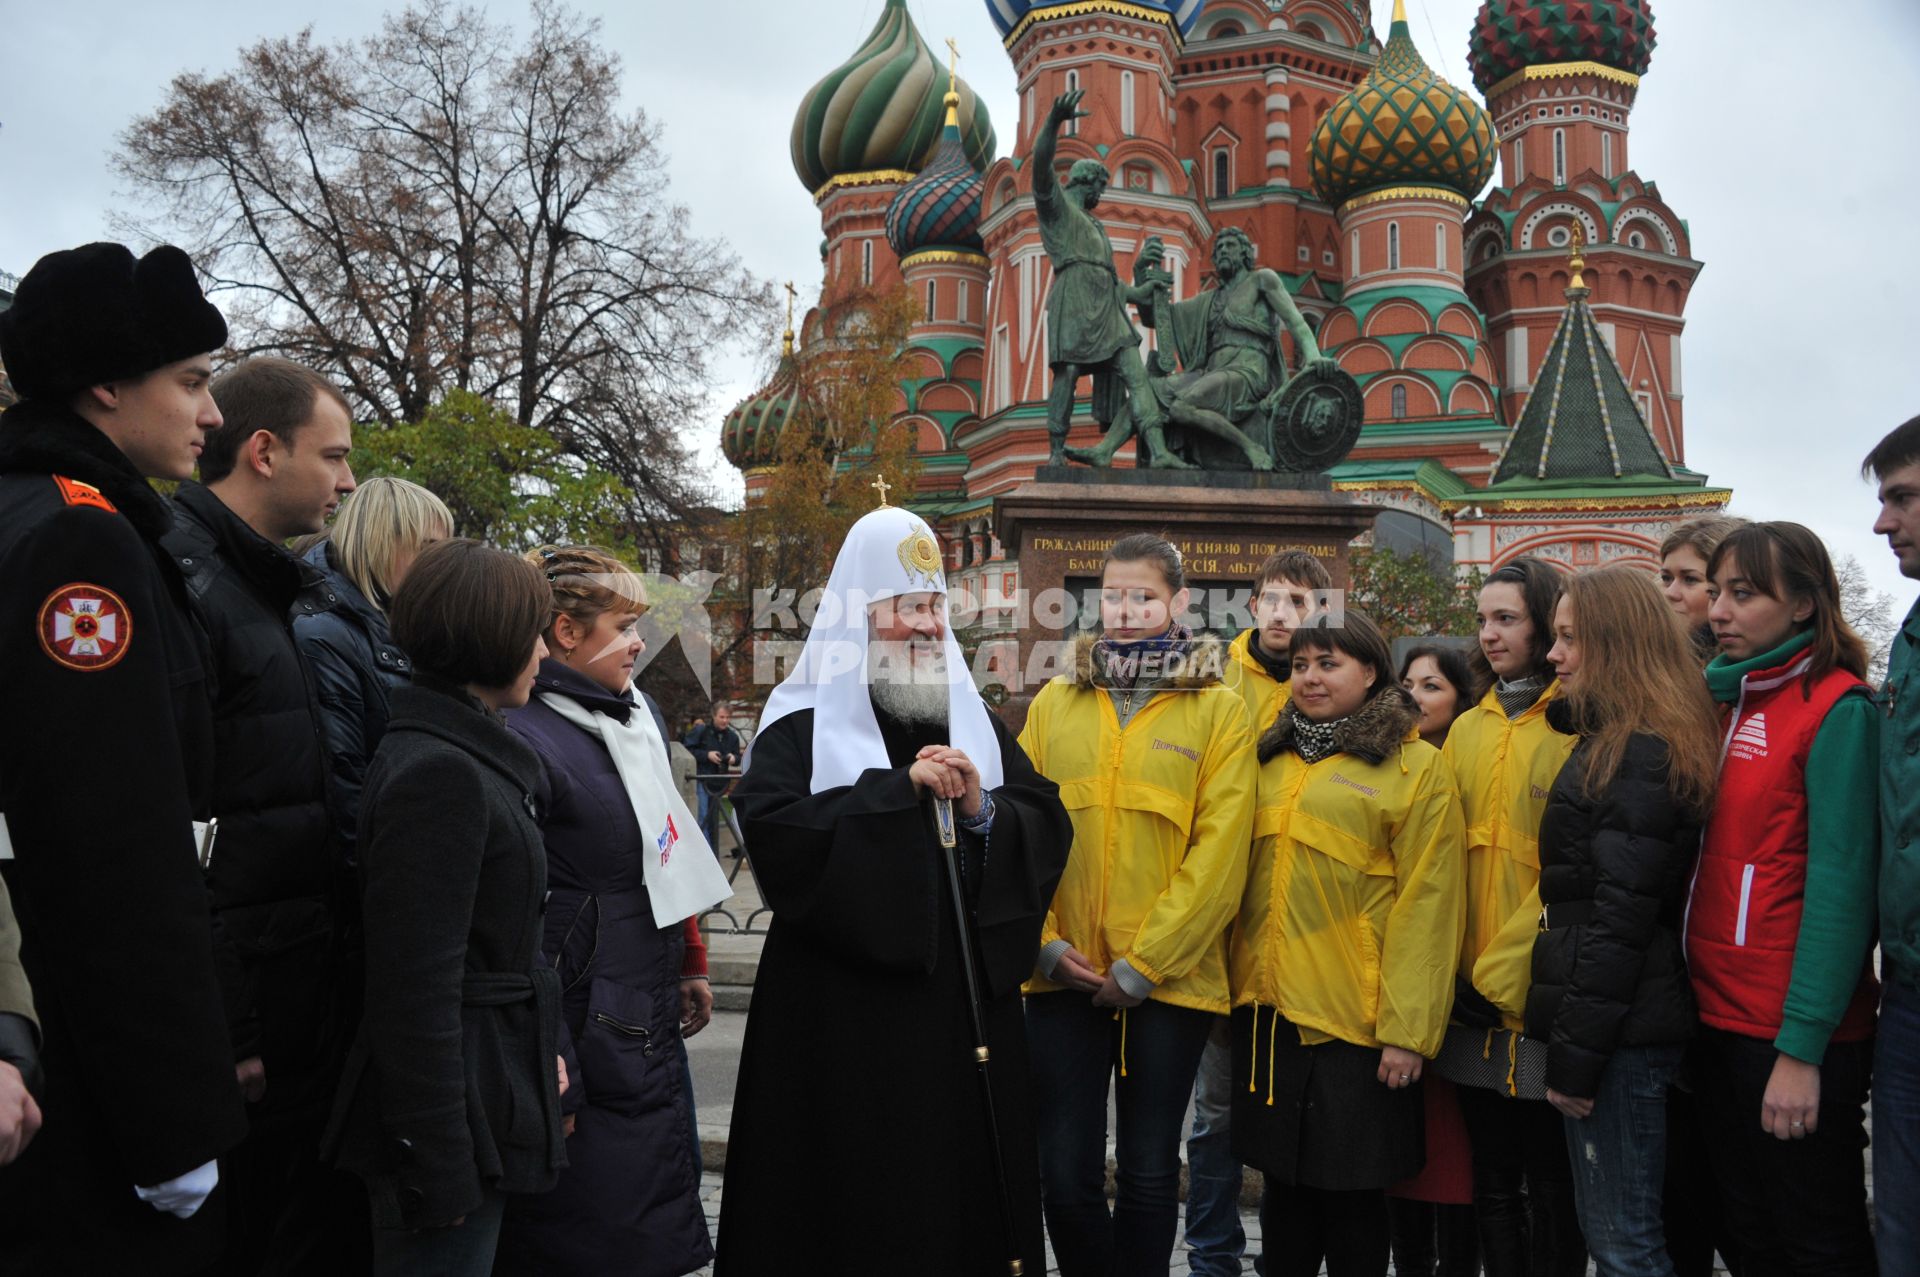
{"x":908,"y":681}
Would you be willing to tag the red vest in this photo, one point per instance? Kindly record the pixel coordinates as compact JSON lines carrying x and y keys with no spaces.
{"x":1743,"y":919}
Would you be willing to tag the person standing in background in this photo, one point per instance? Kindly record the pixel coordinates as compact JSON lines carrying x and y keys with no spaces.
{"x":1259,"y":662}
{"x":1505,"y":755}
{"x":378,"y":533}
{"x":716,"y":750}
{"x":1433,"y":1226}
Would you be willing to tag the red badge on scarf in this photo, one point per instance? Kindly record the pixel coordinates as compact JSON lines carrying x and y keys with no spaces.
{"x":85,"y":627}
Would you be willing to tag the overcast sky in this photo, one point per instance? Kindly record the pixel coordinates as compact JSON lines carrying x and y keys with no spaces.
{"x":1783,"y":132}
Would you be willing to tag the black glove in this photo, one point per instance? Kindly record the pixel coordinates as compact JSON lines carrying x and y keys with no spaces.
{"x":1471,"y":1008}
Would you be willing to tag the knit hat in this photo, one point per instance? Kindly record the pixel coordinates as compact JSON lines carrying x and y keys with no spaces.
{"x":93,"y":314}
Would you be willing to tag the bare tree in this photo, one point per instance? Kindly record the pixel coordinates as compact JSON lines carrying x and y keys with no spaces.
{"x":454,"y":204}
{"x":1870,"y":612}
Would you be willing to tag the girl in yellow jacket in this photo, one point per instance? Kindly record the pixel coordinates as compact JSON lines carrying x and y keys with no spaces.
{"x":1154,"y":759}
{"x":1343,"y":953}
{"x":1504,"y":756}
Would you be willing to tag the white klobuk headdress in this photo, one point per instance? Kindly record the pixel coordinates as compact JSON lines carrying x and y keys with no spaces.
{"x":887,"y":553}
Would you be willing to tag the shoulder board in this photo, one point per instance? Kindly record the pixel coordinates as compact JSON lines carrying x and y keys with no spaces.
{"x":74,"y":492}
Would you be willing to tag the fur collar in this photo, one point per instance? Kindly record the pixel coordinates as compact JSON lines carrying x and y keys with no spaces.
{"x":1205,"y":665}
{"x":1374,"y":731}
{"x":37,"y":437}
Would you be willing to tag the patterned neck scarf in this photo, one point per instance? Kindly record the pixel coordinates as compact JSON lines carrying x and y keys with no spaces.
{"x":1518,"y":696}
{"x":1312,"y":741}
{"x":1125,"y":665}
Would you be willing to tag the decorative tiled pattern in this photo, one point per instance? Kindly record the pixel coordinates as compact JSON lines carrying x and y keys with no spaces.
{"x":1511,"y":35}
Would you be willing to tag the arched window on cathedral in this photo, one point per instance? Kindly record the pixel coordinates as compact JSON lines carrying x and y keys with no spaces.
{"x":1393,"y":246}
{"x":1073,"y":86}
{"x":1126,"y":103}
{"x":1222,"y":173}
{"x":1399,"y":403}
{"x":1606,"y":155}
{"x":931,"y":294}
{"x":1559,"y":157}
{"x":1519,"y":161}
{"x":1440,"y":246}
{"x":866,"y":262}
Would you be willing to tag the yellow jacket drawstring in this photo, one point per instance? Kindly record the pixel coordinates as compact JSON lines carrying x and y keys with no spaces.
{"x":1253,"y":1067}
{"x":1121,"y":1015}
{"x":1513,"y":1063}
{"x":1271,"y":1058}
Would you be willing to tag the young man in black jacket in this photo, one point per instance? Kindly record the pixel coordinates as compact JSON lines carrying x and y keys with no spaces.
{"x":106,"y":756}
{"x":276,"y":469}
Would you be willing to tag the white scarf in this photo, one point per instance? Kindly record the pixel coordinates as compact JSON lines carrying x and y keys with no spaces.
{"x":683,"y":877}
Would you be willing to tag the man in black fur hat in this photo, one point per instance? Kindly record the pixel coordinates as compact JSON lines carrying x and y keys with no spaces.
{"x":105,"y":764}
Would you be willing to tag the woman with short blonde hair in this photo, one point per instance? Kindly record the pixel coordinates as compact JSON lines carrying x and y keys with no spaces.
{"x":380,"y":529}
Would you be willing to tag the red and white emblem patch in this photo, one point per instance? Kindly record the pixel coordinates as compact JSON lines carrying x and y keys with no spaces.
{"x":85,"y":627}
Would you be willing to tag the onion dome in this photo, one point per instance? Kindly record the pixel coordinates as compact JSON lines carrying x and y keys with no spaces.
{"x":1511,"y":35}
{"x":1402,"y":126}
{"x":1010,"y":15}
{"x":940,"y":209}
{"x":751,"y":434}
{"x":880,"y":113}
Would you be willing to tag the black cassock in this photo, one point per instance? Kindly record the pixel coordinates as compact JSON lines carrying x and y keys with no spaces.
{"x":859,"y":1142}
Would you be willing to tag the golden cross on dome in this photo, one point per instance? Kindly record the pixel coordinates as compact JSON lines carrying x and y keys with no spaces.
{"x":881,"y":486}
{"x":786,"y":338}
{"x":953,"y":65}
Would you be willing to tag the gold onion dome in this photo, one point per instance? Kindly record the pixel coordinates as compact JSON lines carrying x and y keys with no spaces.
{"x":880,"y":114}
{"x":1402,"y":126}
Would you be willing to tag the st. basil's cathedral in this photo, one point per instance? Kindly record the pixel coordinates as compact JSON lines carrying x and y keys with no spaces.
{"x":1519,"y":351}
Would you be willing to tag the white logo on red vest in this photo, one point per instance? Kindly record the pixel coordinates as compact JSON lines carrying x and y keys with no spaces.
{"x":666,"y":842}
{"x":84,"y":627}
{"x":1750,"y":738}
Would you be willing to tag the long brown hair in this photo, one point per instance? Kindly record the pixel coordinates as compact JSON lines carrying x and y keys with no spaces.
{"x":1786,"y":561}
{"x":1638,"y":675}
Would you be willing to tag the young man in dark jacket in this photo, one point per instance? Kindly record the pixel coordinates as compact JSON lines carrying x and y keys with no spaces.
{"x":105,"y":764}
{"x":275,"y":470}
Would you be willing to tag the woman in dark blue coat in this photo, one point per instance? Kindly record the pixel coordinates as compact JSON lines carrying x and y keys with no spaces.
{"x":629,"y":1202}
{"x":356,"y":665}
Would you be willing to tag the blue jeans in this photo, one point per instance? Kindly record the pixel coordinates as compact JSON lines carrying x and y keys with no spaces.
{"x":1896,"y":1131}
{"x":1215,"y":1238}
{"x":1619,"y":1160}
{"x":1075,"y":1048}
{"x":710,"y":816}
{"x":463,"y":1251}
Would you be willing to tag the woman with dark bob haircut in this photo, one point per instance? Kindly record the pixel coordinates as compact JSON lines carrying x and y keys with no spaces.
{"x":451,"y":1098}
{"x":1342,"y":956}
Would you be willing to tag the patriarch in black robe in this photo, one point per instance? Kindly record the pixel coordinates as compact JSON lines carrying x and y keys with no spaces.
{"x":860,"y":1143}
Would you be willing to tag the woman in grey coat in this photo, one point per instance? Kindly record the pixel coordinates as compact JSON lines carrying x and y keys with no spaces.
{"x":452,"y":1096}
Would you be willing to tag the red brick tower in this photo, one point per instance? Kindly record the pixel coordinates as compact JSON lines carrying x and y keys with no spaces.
{"x":1560,"y":78}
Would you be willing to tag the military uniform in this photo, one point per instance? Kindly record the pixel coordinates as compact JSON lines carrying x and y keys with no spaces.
{"x":105,"y":761}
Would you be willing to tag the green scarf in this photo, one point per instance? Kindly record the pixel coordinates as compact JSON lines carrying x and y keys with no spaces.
{"x":1724,"y":676}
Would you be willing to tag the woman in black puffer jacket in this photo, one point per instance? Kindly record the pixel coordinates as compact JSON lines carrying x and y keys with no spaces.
{"x":1617,"y":842}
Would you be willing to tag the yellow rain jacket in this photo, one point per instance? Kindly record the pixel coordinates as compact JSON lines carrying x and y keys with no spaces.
{"x":1265,"y":696}
{"x":1356,"y":897}
{"x":1162,"y":812}
{"x":1504,"y":769}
